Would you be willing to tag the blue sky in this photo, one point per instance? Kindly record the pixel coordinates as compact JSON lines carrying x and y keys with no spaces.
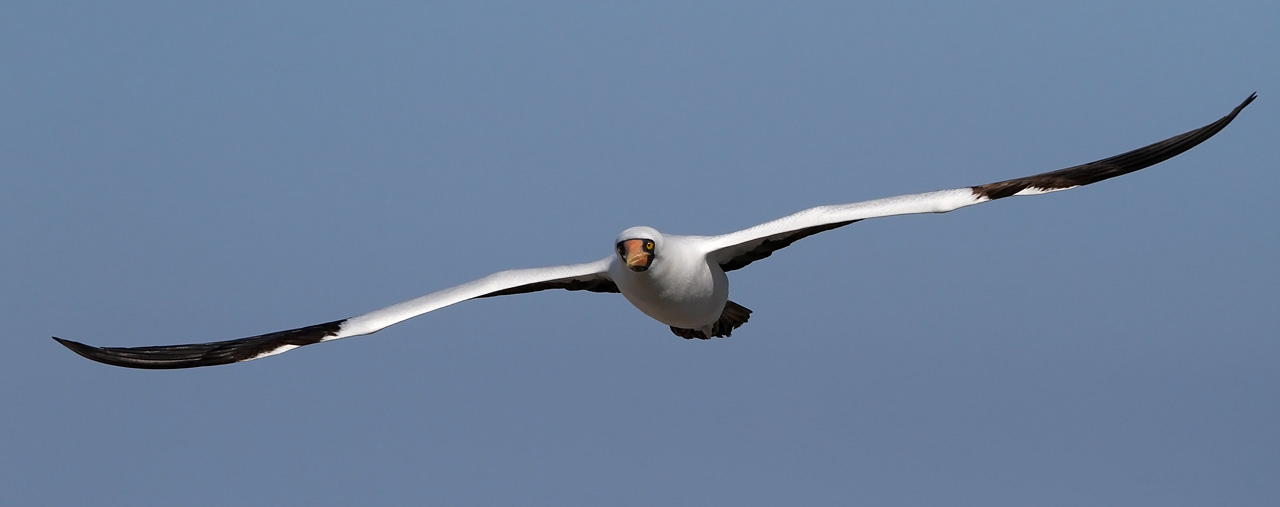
{"x":183,"y":173}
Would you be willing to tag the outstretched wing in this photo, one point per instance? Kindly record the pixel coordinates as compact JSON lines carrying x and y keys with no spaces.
{"x":738,"y":249}
{"x":592,"y":276}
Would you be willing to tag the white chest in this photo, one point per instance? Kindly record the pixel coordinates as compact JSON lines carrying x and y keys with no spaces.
{"x":680,"y":289}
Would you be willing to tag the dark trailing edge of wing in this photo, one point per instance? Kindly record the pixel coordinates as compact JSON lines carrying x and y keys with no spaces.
{"x":775,"y":243}
{"x":591,"y":285}
{"x":1121,"y":164}
{"x":1080,"y":175}
{"x":203,"y":354}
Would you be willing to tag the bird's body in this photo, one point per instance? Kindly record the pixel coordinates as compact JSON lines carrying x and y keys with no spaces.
{"x":679,"y":281}
{"x":682,"y":288}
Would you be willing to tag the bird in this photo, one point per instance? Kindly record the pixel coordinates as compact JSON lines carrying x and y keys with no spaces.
{"x":680,"y":281}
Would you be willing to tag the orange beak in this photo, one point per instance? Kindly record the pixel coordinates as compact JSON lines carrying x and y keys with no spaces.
{"x":635,"y":255}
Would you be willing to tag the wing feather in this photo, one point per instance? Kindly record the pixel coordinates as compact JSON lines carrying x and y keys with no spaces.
{"x":738,"y":249}
{"x":592,"y":276}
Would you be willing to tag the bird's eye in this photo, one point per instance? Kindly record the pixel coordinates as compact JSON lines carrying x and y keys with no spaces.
{"x":648,"y":245}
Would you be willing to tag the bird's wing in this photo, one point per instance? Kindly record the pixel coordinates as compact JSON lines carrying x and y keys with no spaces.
{"x":591,"y":276}
{"x":738,"y":249}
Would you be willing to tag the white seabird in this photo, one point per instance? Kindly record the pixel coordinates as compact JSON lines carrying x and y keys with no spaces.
{"x":679,"y":281}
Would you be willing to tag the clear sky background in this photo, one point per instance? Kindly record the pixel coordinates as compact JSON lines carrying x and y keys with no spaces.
{"x":186,"y":173}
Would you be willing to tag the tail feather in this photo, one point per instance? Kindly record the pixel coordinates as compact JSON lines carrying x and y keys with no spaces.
{"x":733,"y":316}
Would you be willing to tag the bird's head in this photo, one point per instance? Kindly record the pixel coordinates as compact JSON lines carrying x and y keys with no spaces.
{"x":637,"y":247}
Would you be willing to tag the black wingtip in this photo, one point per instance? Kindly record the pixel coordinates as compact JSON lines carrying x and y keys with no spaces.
{"x":193,"y":355}
{"x":1241,"y":107}
{"x":142,"y":357}
{"x":77,"y":347}
{"x":1246,"y":102}
{"x":1111,"y":167}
